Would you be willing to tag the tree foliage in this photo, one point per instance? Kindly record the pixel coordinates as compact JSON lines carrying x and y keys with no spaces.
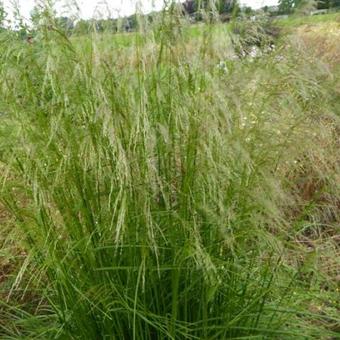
{"x":290,"y":6}
{"x":221,"y":6}
{"x":3,"y":15}
{"x":287,"y":6}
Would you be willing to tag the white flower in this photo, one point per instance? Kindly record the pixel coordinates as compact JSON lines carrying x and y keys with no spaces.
{"x":279,"y":58}
{"x":222,"y":66}
{"x":254,"y":52}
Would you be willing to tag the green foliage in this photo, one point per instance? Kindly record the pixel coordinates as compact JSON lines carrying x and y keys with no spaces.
{"x":82,"y":27}
{"x":151,"y":189}
{"x":65,"y":24}
{"x":290,"y":6}
{"x":287,"y":6}
{"x":221,"y":7}
{"x":3,"y":15}
{"x":305,"y":7}
{"x":261,"y":34}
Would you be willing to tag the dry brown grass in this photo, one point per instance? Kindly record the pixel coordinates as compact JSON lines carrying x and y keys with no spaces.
{"x":322,"y":40}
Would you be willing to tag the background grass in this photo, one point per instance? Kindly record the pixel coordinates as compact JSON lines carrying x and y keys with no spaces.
{"x":149,"y":193}
{"x":297,"y":20}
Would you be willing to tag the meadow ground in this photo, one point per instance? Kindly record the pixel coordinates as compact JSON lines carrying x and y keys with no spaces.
{"x":153,"y":186}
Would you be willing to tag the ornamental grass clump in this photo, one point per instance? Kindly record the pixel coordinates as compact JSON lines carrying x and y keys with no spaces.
{"x":152,"y":196}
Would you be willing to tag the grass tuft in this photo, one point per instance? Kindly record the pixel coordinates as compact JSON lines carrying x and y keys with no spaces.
{"x":154,"y":194}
